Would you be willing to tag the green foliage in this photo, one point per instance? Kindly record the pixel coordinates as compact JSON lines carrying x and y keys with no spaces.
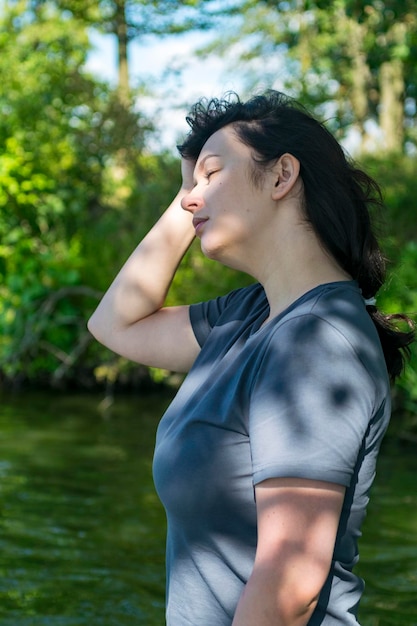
{"x":398,"y":231}
{"x":354,"y":62}
{"x":77,"y":192}
{"x":397,"y":176}
{"x":79,"y":189}
{"x":61,"y":133}
{"x":158,"y":17}
{"x":399,"y":295}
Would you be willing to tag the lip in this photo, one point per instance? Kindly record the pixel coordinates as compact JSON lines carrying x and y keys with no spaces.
{"x":198,"y":223}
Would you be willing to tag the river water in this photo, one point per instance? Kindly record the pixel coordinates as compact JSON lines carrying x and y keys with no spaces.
{"x":82,"y":531}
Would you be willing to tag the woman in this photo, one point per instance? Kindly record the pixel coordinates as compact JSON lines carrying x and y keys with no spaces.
{"x":266,"y":456}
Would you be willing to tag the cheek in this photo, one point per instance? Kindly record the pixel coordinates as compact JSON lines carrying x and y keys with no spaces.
{"x":230,"y":227}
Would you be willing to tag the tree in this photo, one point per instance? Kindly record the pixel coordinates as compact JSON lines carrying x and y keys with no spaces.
{"x":59,"y":132}
{"x":135,"y":19}
{"x":359,"y":56}
{"x":78,"y":189}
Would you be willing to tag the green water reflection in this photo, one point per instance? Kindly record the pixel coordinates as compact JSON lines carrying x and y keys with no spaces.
{"x":82,"y":532}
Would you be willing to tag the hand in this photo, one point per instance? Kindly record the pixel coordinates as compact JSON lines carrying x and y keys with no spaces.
{"x":187,"y":171}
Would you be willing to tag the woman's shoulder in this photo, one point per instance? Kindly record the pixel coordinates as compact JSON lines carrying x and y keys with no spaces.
{"x":240,"y":298}
{"x":241,"y":304}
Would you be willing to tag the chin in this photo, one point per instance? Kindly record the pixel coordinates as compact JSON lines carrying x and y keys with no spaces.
{"x":218,"y":253}
{"x":211,"y":250}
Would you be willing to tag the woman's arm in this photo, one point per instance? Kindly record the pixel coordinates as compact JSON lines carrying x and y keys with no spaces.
{"x":297,"y":526}
{"x":130,"y":319}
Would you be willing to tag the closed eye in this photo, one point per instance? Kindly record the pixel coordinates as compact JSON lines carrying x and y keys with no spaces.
{"x":210,"y":173}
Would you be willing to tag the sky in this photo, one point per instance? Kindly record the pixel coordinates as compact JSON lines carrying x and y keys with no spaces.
{"x":189,"y":78}
{"x":173,"y":92}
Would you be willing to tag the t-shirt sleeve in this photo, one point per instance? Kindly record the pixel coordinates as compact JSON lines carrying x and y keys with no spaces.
{"x":205,"y":315}
{"x":310,"y":404}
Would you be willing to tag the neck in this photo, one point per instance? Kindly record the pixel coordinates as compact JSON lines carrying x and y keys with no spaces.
{"x":300,"y":265}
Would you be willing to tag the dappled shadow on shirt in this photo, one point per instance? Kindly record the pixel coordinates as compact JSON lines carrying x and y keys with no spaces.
{"x":303,"y":396}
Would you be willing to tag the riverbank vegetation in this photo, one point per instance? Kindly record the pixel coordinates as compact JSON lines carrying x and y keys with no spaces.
{"x":80,"y":183}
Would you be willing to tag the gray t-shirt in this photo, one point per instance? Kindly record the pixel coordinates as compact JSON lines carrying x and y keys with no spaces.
{"x":305,"y":395}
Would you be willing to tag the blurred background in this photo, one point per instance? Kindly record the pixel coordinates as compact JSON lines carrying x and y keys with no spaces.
{"x":93,"y":98}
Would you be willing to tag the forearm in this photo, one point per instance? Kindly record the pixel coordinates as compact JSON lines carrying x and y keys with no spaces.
{"x":141,"y":286}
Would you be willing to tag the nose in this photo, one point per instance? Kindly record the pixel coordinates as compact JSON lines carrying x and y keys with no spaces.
{"x":192,"y":201}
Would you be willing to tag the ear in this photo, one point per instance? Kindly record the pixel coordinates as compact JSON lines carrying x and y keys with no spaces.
{"x":286,"y":173}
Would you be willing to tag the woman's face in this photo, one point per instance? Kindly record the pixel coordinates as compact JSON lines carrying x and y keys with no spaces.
{"x":231,"y":215}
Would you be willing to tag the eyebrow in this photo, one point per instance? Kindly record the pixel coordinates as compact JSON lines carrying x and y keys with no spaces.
{"x":204,"y":159}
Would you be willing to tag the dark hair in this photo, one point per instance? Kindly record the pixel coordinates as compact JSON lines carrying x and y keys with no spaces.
{"x":338,"y":196}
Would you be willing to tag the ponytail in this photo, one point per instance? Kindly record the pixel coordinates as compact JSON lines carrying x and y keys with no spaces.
{"x":370,"y":272}
{"x":395,"y":342}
